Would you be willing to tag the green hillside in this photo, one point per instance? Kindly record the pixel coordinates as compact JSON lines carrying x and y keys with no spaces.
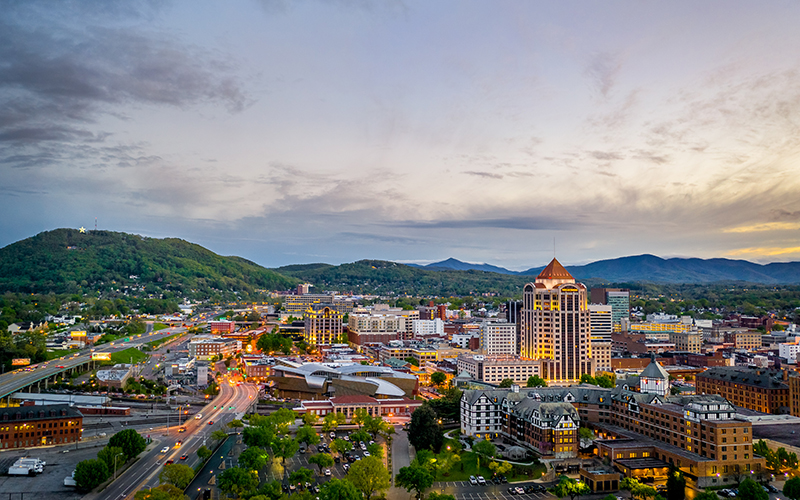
{"x":382,"y":277}
{"x":68,"y":261}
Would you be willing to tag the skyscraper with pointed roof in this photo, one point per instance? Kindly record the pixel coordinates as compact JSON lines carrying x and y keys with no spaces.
{"x":555,"y":326}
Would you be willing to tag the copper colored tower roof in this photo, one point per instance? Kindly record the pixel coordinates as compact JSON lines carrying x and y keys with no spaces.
{"x":554,"y":271}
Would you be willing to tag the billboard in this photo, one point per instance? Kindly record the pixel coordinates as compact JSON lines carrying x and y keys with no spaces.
{"x":78,"y":334}
{"x":20,"y":361}
{"x":101,"y":356}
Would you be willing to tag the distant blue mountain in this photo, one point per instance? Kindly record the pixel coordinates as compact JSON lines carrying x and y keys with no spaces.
{"x":456,"y":264}
{"x":655,"y":269}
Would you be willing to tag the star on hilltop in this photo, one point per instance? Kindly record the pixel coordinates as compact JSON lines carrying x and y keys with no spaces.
{"x":82,"y":229}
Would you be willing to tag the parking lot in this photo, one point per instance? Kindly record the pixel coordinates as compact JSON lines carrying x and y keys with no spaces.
{"x":50,"y":483}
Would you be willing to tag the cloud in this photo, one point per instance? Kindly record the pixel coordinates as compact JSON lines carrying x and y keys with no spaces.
{"x":782,"y":214}
{"x":524,"y":223}
{"x":487,"y":175}
{"x":603,"y":70}
{"x":763,"y":251}
{"x":767,"y":226}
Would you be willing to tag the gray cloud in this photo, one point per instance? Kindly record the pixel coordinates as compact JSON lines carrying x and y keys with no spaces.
{"x":780,"y":214}
{"x":603,"y":70}
{"x":487,"y":175}
{"x":512,"y":222}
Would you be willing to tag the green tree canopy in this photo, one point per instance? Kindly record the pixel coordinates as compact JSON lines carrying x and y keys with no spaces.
{"x":90,"y":473}
{"x":791,"y":488}
{"x":131,"y":442}
{"x":204,"y":453}
{"x":310,"y":418}
{"x":339,"y":489}
{"x":178,"y":475}
{"x":333,"y":420}
{"x":414,"y":477}
{"x":438,"y":378}
{"x":237,"y":481}
{"x":571,"y":488}
{"x":484,"y":448}
{"x":284,"y":448}
{"x":260,"y":437}
{"x":506,"y":383}
{"x":369,"y":476}
{"x":751,"y":490}
{"x":424,"y":432}
{"x":536,"y":381}
{"x":306,"y":434}
{"x":113,"y":456}
{"x":162,"y":492}
{"x":301,"y":476}
{"x":321,"y":460}
{"x":341,"y":446}
{"x":219,"y":435}
{"x":254,"y":458}
{"x":676,"y":485}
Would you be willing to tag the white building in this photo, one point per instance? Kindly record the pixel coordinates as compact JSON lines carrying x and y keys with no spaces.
{"x":427,"y":327}
{"x":496,"y":368}
{"x":789,"y":351}
{"x":481,"y":414}
{"x":498,"y":338}
{"x":601,"y":322}
{"x":462,"y":339}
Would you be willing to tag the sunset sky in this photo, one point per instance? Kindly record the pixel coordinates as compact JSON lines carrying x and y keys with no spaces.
{"x":305,"y":131}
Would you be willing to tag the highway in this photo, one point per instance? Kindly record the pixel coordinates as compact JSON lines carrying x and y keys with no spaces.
{"x":19,"y":379}
{"x":144,"y":472}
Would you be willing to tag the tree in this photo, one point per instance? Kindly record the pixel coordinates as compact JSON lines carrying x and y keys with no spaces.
{"x":284,"y":448}
{"x":306,"y":434}
{"x":90,"y":473}
{"x":237,"y":481}
{"x":588,"y":379}
{"x":235,"y":424}
{"x":676,"y":485}
{"x":423,"y":431}
{"x":219,"y":435}
{"x":301,"y":476}
{"x":341,"y":446}
{"x":791,"y":489}
{"x":360,"y":436}
{"x":369,"y":476}
{"x":571,"y":488}
{"x":321,"y":460}
{"x":256,"y":436}
{"x":484,"y":448}
{"x":204,"y":453}
{"x":282,"y":418}
{"x":310,"y":418}
{"x":333,"y":420}
{"x":438,"y":378}
{"x":113,"y":456}
{"x":751,"y":490}
{"x":359,"y":417}
{"x":536,"y":381}
{"x":414,"y":477}
{"x":375,"y":450}
{"x":585,"y":433}
{"x":500,"y":468}
{"x":131,"y":442}
{"x":253,"y":458}
{"x":440,"y":496}
{"x":163,"y":492}
{"x":506,"y":383}
{"x":339,"y":489}
{"x":376,"y":425}
{"x":178,"y":475}
{"x":706,"y":495}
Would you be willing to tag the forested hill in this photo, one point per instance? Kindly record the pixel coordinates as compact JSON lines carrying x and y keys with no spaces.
{"x":68,"y":261}
{"x":382,"y":277}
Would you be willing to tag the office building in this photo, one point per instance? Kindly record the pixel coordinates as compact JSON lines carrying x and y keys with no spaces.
{"x":427,"y":328}
{"x":555,"y":326}
{"x":601,"y":321}
{"x":691,"y":341}
{"x":29,"y":426}
{"x":618,"y":298}
{"x":498,"y":338}
{"x":322,"y":326}
{"x":494,"y":369}
{"x":206,"y":347}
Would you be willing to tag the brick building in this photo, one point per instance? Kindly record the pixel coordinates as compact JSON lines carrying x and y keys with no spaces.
{"x":758,"y":389}
{"x":30,"y":426}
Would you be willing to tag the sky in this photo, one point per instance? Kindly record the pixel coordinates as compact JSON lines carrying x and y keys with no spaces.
{"x":291,"y":132}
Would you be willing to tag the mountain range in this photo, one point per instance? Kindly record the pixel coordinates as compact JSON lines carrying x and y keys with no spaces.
{"x":655,"y":269}
{"x":71,"y":261}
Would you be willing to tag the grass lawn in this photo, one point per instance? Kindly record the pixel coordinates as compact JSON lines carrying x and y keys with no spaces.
{"x":469,"y":467}
{"x":126,"y":355}
{"x":159,"y":326}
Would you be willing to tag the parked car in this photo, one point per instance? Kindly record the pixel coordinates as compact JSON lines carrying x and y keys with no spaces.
{"x":481,"y":480}
{"x":520,"y":491}
{"x":327,"y":472}
{"x":512,"y":490}
{"x":473,"y":480}
{"x":333,"y":435}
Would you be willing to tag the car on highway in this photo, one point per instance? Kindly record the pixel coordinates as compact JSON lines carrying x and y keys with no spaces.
{"x":182,"y":429}
{"x":180,"y":442}
{"x":210,"y":422}
{"x":59,"y":366}
{"x":165,"y":449}
{"x":184,"y":456}
{"x":168,"y":462}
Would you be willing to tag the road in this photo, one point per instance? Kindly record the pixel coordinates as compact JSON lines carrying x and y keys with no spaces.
{"x":18,"y":379}
{"x":144,"y":472}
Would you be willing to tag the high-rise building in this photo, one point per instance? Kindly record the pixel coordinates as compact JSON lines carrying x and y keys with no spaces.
{"x":323,"y":325}
{"x":556,"y":327}
{"x":498,"y":338}
{"x":618,"y":298}
{"x":513,"y":313}
{"x":602,"y":323}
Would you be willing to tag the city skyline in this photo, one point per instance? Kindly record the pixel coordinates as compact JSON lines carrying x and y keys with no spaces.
{"x":298,"y":132}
